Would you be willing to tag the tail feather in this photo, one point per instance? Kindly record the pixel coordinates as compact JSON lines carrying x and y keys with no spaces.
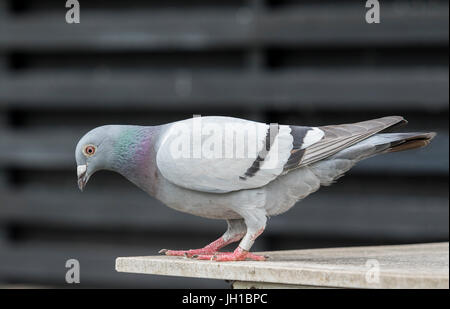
{"x":330,"y":169}
{"x":409,"y":141}
{"x":385,"y":143}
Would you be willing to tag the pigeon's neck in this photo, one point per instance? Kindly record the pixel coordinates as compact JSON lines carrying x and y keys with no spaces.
{"x":135,"y":156}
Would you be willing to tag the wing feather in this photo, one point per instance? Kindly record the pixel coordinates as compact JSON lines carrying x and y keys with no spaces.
{"x":338,"y":137}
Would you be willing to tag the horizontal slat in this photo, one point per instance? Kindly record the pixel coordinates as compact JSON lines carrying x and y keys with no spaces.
{"x":351,"y":214}
{"x":52,"y":150}
{"x":401,"y":24}
{"x":131,"y":210}
{"x":44,"y":263}
{"x":41,"y":149}
{"x":352,"y":88}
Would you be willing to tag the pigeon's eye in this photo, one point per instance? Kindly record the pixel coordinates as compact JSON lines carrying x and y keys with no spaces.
{"x":89,"y":150}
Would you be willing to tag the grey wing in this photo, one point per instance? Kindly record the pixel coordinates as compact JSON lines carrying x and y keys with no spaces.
{"x":335,"y":139}
{"x":254,"y":161}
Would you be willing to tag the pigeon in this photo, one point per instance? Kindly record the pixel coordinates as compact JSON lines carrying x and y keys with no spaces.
{"x":234,"y":169}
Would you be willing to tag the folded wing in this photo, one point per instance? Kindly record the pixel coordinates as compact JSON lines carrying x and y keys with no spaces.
{"x":232,"y":154}
{"x":224,"y":154}
{"x":337,"y":138}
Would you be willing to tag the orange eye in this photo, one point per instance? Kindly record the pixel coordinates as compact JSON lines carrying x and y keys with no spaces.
{"x":89,"y":150}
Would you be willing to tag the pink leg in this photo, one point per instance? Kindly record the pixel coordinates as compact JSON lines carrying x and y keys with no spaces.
{"x":237,"y":255}
{"x":212,"y":248}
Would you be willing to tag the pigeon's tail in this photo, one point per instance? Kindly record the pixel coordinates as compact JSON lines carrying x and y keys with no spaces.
{"x":332,"y":168}
{"x":406,"y":141}
{"x":385,"y":143}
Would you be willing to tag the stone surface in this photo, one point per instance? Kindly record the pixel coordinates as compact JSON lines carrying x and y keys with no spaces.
{"x":401,"y":266}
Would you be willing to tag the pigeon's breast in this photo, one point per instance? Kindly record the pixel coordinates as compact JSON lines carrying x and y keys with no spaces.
{"x":210,"y":205}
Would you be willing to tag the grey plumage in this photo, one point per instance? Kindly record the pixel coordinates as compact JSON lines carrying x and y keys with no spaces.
{"x":243,"y":191}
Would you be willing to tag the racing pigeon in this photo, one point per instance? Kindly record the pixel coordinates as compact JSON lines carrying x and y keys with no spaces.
{"x":233,"y":169}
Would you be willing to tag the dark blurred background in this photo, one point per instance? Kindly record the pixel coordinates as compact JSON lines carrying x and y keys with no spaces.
{"x":150,"y":62}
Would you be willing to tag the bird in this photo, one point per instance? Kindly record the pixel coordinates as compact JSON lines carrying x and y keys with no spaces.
{"x":233,"y":169}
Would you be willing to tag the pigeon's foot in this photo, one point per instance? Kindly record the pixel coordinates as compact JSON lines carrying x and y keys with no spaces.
{"x":188,"y":253}
{"x":237,"y":255}
{"x":210,"y":249}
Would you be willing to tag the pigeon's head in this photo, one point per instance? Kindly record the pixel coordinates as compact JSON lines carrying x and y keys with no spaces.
{"x":93,"y":152}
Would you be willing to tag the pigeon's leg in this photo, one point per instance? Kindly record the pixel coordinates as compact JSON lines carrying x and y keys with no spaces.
{"x":235,"y":231}
{"x":256,"y":222}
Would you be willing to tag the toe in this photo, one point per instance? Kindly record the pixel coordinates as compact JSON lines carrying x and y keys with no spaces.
{"x":176,"y":252}
{"x":208,"y":257}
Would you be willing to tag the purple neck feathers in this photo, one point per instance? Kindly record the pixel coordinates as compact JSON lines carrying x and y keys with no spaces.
{"x":135,"y":156}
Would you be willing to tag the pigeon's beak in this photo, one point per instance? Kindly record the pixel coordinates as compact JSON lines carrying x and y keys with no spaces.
{"x":82,"y":176}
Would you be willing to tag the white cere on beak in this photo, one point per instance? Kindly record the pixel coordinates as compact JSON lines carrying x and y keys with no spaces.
{"x":81,"y":170}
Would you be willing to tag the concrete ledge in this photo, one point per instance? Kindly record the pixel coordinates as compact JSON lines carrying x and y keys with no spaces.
{"x":402,"y":266}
